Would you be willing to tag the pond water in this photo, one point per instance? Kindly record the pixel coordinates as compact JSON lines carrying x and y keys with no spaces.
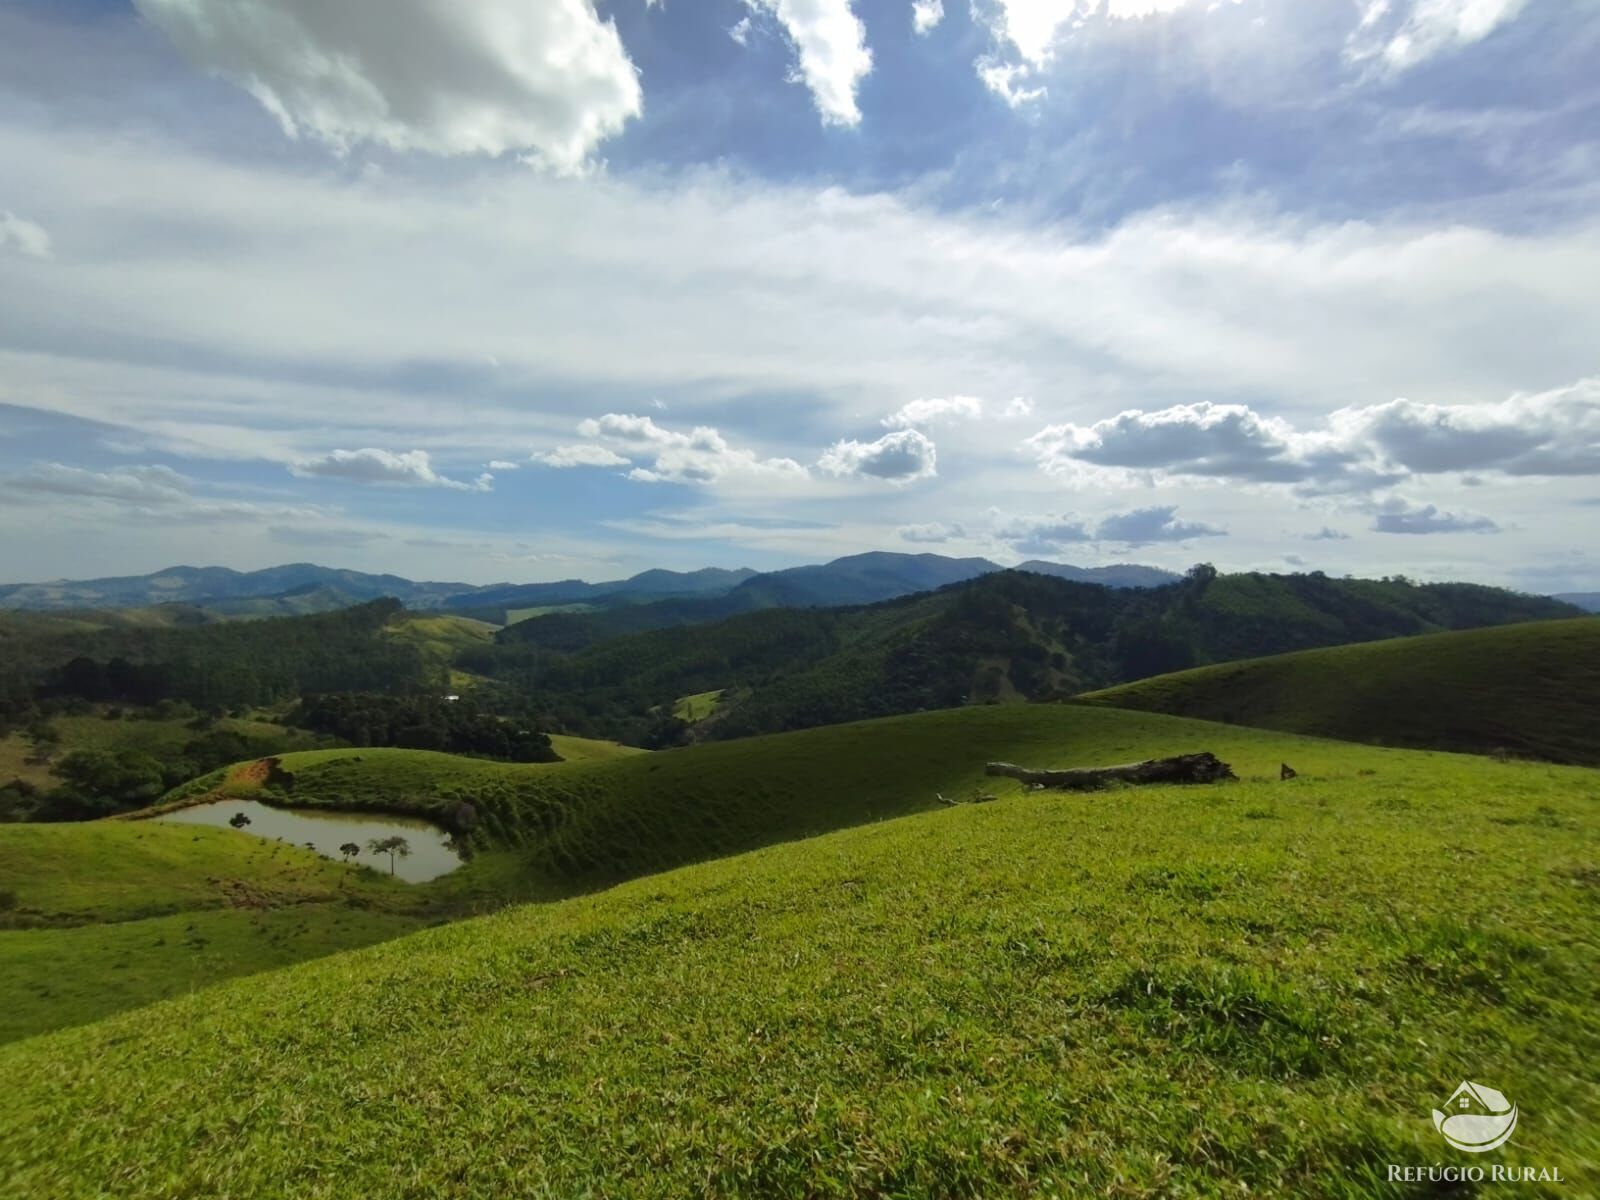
{"x":432,"y":852}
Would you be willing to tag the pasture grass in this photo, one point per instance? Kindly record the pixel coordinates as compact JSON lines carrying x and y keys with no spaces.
{"x":1531,"y":690}
{"x":1253,"y":988}
{"x":698,"y":706}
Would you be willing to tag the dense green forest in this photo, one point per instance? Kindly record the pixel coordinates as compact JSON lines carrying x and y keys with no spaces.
{"x":1008,"y":635}
{"x":454,"y":724}
{"x":225,"y":664}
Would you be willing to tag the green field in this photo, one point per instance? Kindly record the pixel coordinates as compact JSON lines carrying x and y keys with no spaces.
{"x":1250,"y":988}
{"x":513,"y":615}
{"x":440,"y":637}
{"x":1531,"y":690}
{"x":108,"y":915}
{"x":581,"y":749}
{"x":697,"y":707}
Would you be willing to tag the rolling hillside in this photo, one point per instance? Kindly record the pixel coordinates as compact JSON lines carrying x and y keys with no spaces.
{"x":1004,"y":636}
{"x":104,"y":916}
{"x":1249,"y":988}
{"x":1531,"y":690}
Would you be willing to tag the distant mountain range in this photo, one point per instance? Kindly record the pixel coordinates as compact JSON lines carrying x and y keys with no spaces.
{"x":300,"y":588}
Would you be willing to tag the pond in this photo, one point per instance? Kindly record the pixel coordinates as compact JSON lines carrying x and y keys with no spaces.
{"x":432,"y":852}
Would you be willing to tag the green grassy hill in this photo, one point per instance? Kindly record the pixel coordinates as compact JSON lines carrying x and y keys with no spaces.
{"x":1251,"y":988}
{"x":108,"y":915}
{"x":1529,"y":690}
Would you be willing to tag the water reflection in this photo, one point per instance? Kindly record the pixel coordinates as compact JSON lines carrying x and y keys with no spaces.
{"x":330,"y":833}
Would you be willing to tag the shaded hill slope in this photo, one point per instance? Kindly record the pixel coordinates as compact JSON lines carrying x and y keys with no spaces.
{"x":1530,"y":690}
{"x":1168,"y":992}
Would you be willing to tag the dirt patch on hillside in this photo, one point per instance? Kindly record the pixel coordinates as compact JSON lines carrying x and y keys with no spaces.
{"x":264,"y":772}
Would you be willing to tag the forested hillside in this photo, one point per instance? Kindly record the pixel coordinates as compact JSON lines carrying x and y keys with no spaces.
{"x":232,"y":663}
{"x":1004,"y":636}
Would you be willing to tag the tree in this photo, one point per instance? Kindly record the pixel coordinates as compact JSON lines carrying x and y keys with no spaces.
{"x":349,"y":850}
{"x":394,"y":847}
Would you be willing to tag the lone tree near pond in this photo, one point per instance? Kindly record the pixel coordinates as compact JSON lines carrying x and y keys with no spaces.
{"x":349,"y":850}
{"x":394,"y":847}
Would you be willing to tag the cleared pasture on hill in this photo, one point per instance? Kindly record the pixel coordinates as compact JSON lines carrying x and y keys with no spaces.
{"x":1252,"y":988}
{"x":1530,"y":690}
{"x":106,"y":915}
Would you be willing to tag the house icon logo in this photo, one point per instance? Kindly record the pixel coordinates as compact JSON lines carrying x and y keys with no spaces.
{"x":1476,"y":1119}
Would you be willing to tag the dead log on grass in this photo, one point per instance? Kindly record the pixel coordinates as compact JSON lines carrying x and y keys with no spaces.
{"x":1184,"y":768}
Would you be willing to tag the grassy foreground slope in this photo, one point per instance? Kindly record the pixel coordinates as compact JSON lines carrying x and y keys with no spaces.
{"x":107,"y":915}
{"x":1254,"y":988}
{"x":1527,"y":689}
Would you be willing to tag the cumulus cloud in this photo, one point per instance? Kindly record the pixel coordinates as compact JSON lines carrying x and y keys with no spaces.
{"x":1020,"y":406}
{"x":1327,"y":534}
{"x":832,"y":46}
{"x":411,"y":468}
{"x":1405,"y":34}
{"x":929,"y":412}
{"x":500,"y":464}
{"x":700,"y":456}
{"x":1050,"y":533}
{"x":549,"y":80}
{"x":584,"y":454}
{"x":897,"y":457}
{"x":1041,"y":534}
{"x":926,"y":15}
{"x":931,"y":533}
{"x":1143,"y":526}
{"x":1032,"y":29}
{"x":1359,"y":448}
{"x":23,"y":236}
{"x":1398,"y":515}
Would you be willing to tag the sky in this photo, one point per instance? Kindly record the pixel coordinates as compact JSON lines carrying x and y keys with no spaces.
{"x":521,"y":290}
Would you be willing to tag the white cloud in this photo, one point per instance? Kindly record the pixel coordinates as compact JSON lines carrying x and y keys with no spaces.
{"x":151,"y":493}
{"x":274,"y":279}
{"x":740,"y":31}
{"x":581,"y":455}
{"x":931,"y":533}
{"x":897,"y":457}
{"x":1007,"y":80}
{"x":500,"y":464}
{"x":131,"y":485}
{"x":411,"y":468}
{"x":1398,"y":515}
{"x":1551,"y":433}
{"x":935,"y":411}
{"x":832,"y":44}
{"x":926,"y":15}
{"x":1019,"y":407}
{"x":701,"y":456}
{"x":23,"y":236}
{"x":1403,"y":35}
{"x":547,"y":79}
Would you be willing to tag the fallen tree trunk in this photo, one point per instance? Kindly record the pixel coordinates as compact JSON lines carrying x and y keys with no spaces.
{"x":1184,"y":768}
